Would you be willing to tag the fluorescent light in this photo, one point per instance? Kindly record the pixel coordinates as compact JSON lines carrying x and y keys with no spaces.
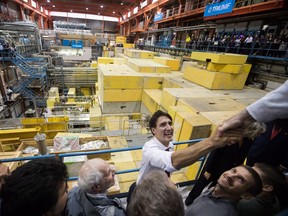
{"x":84,"y":16}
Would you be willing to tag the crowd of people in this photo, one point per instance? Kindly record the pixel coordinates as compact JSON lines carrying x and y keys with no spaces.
{"x":252,"y":44}
{"x":39,"y":187}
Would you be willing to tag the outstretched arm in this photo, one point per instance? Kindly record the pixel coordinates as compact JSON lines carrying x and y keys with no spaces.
{"x":190,"y":155}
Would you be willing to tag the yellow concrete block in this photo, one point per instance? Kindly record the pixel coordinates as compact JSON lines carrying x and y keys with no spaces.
{"x":105,"y":60}
{"x":119,"y":60}
{"x":225,"y":68}
{"x":170,"y":96}
{"x":220,"y":58}
{"x":94,"y":64}
{"x":151,"y":99}
{"x":114,"y":123}
{"x":121,"y":107}
{"x":85,"y":91}
{"x":119,"y":157}
{"x":191,"y":171}
{"x":215,"y":80}
{"x":147,"y":55}
{"x":209,"y":104}
{"x":174,"y":64}
{"x":124,"y":186}
{"x":247,"y":68}
{"x":245,"y":96}
{"x":128,"y":45}
{"x":147,"y":66}
{"x":217,"y":118}
{"x":194,"y":126}
{"x":177,"y":125}
{"x":125,"y":81}
{"x":53,"y":92}
{"x":114,"y":95}
{"x":127,"y":177}
{"x":50,"y":102}
{"x":133,"y":53}
{"x":120,"y":39}
{"x":168,"y":83}
{"x":95,"y":116}
{"x":153,"y":81}
{"x":71,"y":94}
{"x":137,"y":155}
{"x":118,"y":77}
{"x":110,"y":60}
{"x":172,"y":110}
{"x":177,"y":177}
{"x":116,"y":142}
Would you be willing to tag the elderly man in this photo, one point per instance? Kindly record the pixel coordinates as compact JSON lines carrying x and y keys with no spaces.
{"x":241,"y":182}
{"x":89,"y":198}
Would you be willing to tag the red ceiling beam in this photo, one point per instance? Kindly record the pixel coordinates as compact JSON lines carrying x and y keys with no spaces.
{"x":148,"y":8}
{"x":32,"y":9}
{"x":182,"y":15}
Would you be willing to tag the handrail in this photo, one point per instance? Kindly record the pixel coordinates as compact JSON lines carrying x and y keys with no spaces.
{"x":73,"y":178}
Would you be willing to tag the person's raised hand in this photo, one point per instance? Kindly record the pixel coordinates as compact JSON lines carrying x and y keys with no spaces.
{"x":236,"y":122}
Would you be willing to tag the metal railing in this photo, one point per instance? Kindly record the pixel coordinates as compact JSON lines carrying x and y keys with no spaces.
{"x":61,"y":156}
{"x":271,"y":51}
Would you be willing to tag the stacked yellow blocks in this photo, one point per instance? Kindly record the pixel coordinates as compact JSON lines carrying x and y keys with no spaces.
{"x":120,"y":89}
{"x":218,"y":70}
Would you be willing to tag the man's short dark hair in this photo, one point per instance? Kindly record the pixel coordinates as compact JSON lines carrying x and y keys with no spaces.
{"x":272,"y":176}
{"x":155,"y":116}
{"x":33,"y":188}
{"x":154,"y":196}
{"x":257,"y":186}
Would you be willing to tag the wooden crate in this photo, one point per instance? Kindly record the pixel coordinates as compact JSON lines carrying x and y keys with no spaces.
{"x":50,"y":142}
{"x":12,"y":165}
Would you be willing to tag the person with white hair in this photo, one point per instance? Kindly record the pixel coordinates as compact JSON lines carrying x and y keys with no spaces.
{"x":96,"y":176}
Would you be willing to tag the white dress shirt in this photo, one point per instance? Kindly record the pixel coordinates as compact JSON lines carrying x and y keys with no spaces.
{"x":155,"y":156}
{"x":272,"y":106}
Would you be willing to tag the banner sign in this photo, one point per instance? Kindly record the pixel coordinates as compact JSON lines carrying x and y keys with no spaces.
{"x":77,"y":46}
{"x":220,"y":7}
{"x":158,"y":17}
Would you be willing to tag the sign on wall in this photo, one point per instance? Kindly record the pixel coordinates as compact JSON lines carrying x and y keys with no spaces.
{"x":220,"y":7}
{"x":158,"y":17}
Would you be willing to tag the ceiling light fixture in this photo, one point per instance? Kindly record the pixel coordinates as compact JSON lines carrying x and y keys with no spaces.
{"x":48,"y":1}
{"x":86,"y":8}
{"x":101,"y":6}
{"x":121,"y":3}
{"x":53,"y":5}
{"x":113,"y":11}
